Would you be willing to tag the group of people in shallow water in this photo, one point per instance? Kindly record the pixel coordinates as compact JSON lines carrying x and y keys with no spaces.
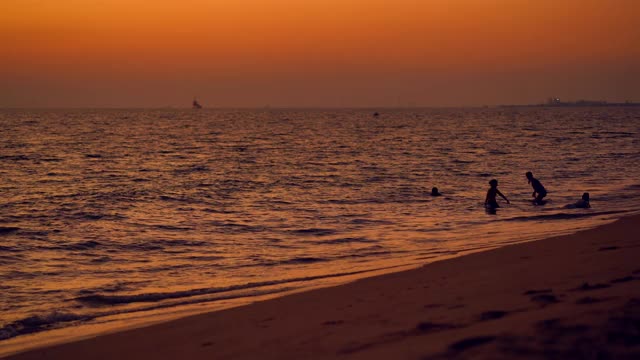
{"x":539,"y":193}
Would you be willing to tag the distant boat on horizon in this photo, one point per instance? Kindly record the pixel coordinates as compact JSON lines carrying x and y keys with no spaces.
{"x":196,"y":104}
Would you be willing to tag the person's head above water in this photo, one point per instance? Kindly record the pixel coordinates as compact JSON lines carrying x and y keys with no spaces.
{"x":493,"y":182}
{"x":585,"y":196}
{"x":434,"y":191}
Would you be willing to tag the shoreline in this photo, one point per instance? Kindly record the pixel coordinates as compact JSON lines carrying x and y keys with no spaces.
{"x":367,"y":318}
{"x":117,"y":321}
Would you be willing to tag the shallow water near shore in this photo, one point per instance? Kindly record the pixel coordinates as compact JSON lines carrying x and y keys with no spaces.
{"x":111,"y":213}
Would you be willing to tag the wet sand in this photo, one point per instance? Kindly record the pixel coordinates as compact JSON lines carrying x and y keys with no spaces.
{"x":568,"y":297}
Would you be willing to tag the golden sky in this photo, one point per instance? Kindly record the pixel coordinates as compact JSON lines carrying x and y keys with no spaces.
{"x":317,"y":52}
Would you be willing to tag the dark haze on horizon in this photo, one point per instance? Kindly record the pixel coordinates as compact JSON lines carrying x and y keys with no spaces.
{"x":317,"y":53}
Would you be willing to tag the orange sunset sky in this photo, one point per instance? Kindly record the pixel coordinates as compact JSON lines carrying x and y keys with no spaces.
{"x":243,"y":53}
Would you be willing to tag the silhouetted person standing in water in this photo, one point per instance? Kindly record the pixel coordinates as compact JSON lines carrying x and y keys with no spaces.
{"x":490,"y":201}
{"x":539,"y":192}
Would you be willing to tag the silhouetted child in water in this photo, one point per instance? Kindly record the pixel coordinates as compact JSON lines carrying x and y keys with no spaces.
{"x":582,"y":203}
{"x":539,"y":192}
{"x":435,"y":192}
{"x":490,"y":201}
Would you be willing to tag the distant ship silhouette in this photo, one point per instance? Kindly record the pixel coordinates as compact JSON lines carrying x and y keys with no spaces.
{"x":196,"y":104}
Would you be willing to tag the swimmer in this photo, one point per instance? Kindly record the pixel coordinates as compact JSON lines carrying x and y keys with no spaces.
{"x":581,"y":204}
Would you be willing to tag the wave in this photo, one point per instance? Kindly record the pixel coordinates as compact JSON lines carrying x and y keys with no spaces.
{"x":191,"y":169}
{"x":8,"y":229}
{"x":84,"y":245}
{"x":51,"y":159}
{"x":103,"y":299}
{"x":565,"y":216}
{"x":632,"y":187}
{"x":89,"y":216}
{"x":10,"y":259}
{"x":112,"y":288}
{"x":14,"y":157}
{"x":227,"y":227}
{"x":370,"y":222}
{"x":9,"y":248}
{"x":58,"y":319}
{"x":169,"y":198}
{"x":101,"y":260}
{"x":151,"y":245}
{"x":347,"y":240}
{"x":314,"y":232}
{"x":302,"y":260}
{"x":38,"y":323}
{"x":173,"y":228}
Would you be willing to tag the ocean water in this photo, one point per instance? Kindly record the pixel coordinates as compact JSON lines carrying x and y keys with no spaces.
{"x":118,"y":213}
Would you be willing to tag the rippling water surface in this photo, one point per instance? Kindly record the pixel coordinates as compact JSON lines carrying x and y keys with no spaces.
{"x":107,"y":212}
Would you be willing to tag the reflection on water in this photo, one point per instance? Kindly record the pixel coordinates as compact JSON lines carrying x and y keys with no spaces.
{"x":113,"y":211}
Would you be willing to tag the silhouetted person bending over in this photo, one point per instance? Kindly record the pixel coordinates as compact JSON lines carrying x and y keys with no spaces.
{"x":435,"y":192}
{"x":539,"y":192}
{"x":490,"y":201}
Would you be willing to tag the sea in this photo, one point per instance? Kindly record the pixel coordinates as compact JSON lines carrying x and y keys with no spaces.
{"x":113,"y":217}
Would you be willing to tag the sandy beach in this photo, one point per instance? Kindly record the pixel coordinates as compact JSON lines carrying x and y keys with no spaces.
{"x":574,"y":296}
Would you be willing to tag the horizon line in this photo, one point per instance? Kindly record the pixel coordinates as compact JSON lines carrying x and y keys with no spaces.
{"x":283,"y":107}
